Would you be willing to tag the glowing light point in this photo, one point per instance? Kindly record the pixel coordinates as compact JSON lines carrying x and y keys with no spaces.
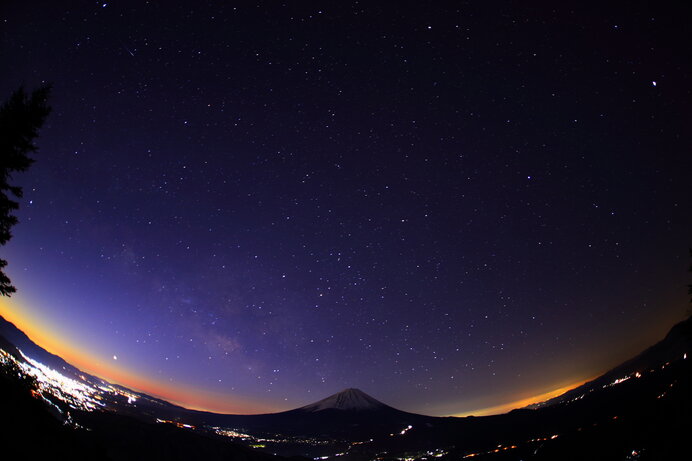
{"x":115,"y":357}
{"x":653,"y":83}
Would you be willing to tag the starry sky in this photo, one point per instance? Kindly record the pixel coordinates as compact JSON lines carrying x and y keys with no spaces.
{"x":452,"y":206}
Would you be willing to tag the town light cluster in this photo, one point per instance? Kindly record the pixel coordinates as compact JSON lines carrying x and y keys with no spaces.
{"x":79,"y":395}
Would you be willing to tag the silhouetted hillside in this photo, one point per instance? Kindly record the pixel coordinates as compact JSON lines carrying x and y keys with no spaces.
{"x":674,"y":346}
{"x":21,"y":341}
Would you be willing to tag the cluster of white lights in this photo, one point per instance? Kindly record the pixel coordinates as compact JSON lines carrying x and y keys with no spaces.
{"x":232,"y":433}
{"x":403,"y":431}
{"x":636,"y":374}
{"x":76,"y":394}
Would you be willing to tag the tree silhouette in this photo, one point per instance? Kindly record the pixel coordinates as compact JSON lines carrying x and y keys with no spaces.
{"x":689,"y":287}
{"x":21,"y":116}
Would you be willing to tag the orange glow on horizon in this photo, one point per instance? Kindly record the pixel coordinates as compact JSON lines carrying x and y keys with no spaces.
{"x":521,"y":403}
{"x":187,"y":397}
{"x":179,"y":394}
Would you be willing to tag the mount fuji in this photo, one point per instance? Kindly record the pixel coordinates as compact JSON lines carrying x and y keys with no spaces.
{"x":349,"y":400}
{"x":350,"y":412}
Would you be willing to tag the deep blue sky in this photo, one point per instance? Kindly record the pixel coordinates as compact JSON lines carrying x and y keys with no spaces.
{"x":448,"y":205}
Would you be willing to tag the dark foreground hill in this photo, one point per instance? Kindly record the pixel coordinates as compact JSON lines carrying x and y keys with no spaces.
{"x":675,"y":346}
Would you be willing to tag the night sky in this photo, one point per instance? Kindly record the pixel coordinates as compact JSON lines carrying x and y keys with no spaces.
{"x":452,"y":206}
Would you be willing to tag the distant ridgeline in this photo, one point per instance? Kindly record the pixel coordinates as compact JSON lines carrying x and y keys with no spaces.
{"x":638,"y":410}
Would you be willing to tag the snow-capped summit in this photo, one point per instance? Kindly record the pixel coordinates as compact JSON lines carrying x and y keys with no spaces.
{"x":348,"y":399}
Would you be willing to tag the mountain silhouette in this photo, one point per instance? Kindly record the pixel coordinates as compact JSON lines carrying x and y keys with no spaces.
{"x":21,"y":341}
{"x":675,"y":345}
{"x":348,"y":399}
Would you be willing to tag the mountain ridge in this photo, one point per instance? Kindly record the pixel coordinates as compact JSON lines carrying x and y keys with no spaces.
{"x":26,"y":345}
{"x":674,"y":345}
